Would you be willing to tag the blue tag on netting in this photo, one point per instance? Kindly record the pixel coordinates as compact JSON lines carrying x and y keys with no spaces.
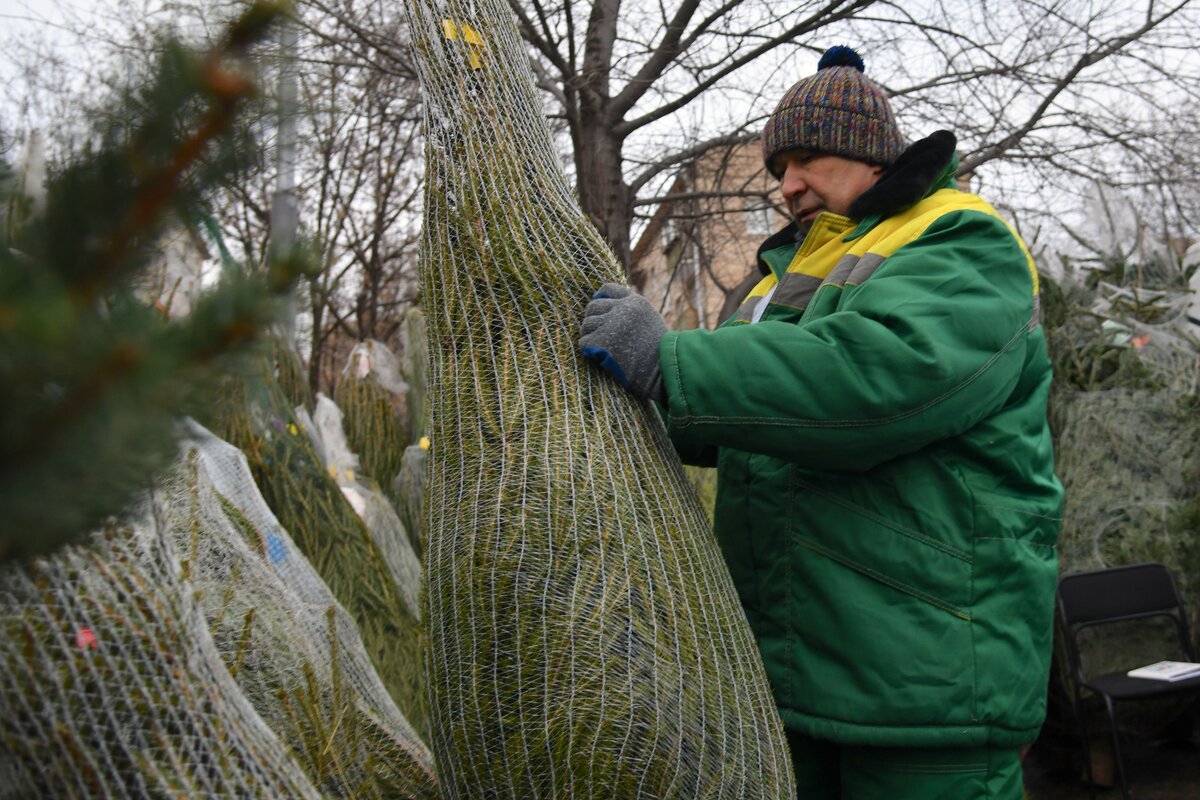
{"x":276,"y":549}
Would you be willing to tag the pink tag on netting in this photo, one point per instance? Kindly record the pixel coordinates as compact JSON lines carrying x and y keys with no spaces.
{"x":85,"y":639}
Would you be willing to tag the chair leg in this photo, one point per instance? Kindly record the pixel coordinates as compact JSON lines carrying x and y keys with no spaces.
{"x":1116,"y":737}
{"x":1084,"y":743}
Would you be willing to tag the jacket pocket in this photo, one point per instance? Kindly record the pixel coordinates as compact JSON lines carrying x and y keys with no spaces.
{"x":881,"y":615}
{"x":859,"y":538}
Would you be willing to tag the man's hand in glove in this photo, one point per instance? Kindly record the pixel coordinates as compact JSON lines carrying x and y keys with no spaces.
{"x":621,"y":331}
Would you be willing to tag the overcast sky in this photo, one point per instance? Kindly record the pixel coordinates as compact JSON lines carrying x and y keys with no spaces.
{"x":24,"y":15}
{"x":22,"y":20}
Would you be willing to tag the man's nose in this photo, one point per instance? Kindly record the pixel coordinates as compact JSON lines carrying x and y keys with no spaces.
{"x":792,"y":183}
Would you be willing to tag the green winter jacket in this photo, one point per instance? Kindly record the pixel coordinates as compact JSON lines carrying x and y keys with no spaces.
{"x":886,"y":499}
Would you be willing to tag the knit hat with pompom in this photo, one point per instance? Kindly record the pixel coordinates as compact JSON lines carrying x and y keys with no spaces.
{"x":838,"y":111}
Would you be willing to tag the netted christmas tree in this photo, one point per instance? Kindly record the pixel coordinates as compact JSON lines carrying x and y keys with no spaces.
{"x":381,"y":411}
{"x":194,"y":652}
{"x":409,"y":489}
{"x":286,"y":456}
{"x":369,"y":502}
{"x":291,"y":647}
{"x":373,"y":397}
{"x":1127,"y":374}
{"x":111,"y":685}
{"x":414,"y":367}
{"x":584,"y":637}
{"x":409,"y":486}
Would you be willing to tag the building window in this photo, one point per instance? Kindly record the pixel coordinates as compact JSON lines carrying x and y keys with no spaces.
{"x":670,"y":233}
{"x":760,"y":217}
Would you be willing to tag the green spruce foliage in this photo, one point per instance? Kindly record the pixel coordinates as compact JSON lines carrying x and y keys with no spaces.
{"x":293,"y":650}
{"x":1123,"y":409}
{"x":376,"y":423}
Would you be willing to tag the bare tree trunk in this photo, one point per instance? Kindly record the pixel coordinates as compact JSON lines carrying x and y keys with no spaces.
{"x":316,"y":340}
{"x":603,"y":193}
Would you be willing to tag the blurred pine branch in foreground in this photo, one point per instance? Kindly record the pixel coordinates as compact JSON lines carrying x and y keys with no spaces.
{"x":94,"y":377}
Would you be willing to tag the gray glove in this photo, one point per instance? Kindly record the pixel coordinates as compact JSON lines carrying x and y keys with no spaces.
{"x":621,"y":331}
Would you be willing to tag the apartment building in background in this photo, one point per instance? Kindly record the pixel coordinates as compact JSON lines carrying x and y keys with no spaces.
{"x":696,"y":255}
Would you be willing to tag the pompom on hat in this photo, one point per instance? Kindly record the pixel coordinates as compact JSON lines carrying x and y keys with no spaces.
{"x":838,"y":111}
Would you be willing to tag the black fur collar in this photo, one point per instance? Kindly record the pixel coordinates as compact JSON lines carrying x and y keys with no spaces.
{"x":907,"y":181}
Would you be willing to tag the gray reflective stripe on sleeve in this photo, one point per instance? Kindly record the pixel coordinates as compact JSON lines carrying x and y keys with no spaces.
{"x":796,"y":289}
{"x":745,"y":312}
{"x":841,"y":270}
{"x":865,"y":268}
{"x":1036,"y":318}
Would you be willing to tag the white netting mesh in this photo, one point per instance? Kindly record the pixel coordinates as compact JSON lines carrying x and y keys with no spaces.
{"x":584,"y":637}
{"x":380,"y":418}
{"x":282,"y":451}
{"x":373,"y":359}
{"x":294,"y":651}
{"x":339,"y":460}
{"x":111,"y":685}
{"x":193,"y":654}
{"x":308,"y":427}
{"x":1119,"y":456}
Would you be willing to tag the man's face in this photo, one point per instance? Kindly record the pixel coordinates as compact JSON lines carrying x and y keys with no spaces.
{"x":815,"y":182}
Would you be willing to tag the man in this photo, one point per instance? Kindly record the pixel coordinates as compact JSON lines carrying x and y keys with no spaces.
{"x":876,"y":410}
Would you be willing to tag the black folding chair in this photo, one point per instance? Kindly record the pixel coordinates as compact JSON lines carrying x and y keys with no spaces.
{"x":1136,"y":592}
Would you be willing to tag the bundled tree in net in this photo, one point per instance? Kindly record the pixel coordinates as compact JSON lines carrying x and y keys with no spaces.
{"x":374,"y":399}
{"x":409,"y":491}
{"x":408,"y":486}
{"x":111,"y":685}
{"x":414,"y":365}
{"x":369,"y":502}
{"x":1127,"y":376}
{"x":584,"y":637}
{"x":291,"y":647}
{"x":280,"y":444}
{"x":383,"y":402}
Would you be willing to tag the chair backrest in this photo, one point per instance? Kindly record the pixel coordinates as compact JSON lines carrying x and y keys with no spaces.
{"x":1117,"y":593}
{"x":1120,"y":593}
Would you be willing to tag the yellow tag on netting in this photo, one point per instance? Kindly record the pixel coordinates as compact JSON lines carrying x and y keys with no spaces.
{"x":470,"y":36}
